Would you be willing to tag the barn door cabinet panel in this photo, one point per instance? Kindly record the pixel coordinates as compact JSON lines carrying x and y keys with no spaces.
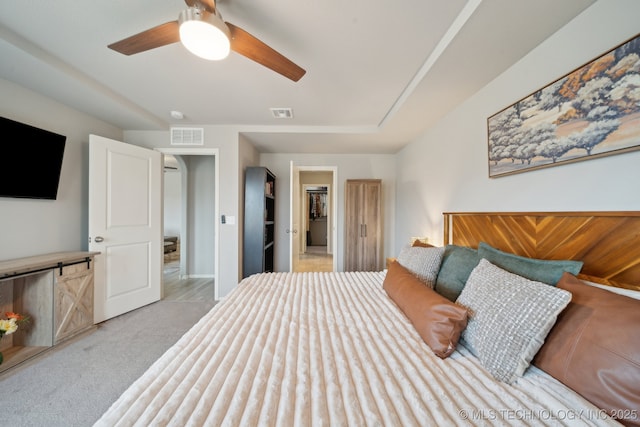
{"x":73,"y":306}
{"x":55,"y":291}
{"x":259,"y":220}
{"x":363,"y":224}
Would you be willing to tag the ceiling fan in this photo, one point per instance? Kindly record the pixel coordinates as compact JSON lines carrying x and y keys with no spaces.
{"x":201,"y":29}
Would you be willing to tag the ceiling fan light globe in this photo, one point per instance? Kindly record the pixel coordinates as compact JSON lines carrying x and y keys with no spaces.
{"x":204,"y":34}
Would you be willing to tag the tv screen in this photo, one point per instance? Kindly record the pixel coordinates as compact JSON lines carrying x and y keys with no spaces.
{"x":32,"y":161}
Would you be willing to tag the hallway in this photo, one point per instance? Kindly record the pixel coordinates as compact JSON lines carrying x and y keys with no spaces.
{"x":176,"y":289}
{"x":315,"y":259}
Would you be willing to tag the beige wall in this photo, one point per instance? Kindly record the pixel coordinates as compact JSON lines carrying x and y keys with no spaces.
{"x":34,"y":227}
{"x":447,"y":168}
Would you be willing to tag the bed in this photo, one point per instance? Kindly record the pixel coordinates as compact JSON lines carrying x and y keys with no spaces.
{"x":337,"y":349}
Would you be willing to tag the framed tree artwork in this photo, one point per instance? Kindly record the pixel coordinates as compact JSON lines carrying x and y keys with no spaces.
{"x":591,"y":112}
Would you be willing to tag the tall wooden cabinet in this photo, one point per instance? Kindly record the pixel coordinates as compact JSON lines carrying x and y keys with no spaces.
{"x":259,"y":220}
{"x":363,"y":225}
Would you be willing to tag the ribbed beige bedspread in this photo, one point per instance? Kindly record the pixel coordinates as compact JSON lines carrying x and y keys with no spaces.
{"x":329,"y":349}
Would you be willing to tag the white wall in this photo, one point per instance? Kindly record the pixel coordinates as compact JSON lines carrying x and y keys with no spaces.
{"x":201,"y":216}
{"x":172,"y":203}
{"x":447,"y":168}
{"x":34,"y":227}
{"x":350,"y":166}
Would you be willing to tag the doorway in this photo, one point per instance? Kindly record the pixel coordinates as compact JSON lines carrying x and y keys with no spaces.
{"x":314,"y":208}
{"x":316,"y":253}
{"x":191,"y":266}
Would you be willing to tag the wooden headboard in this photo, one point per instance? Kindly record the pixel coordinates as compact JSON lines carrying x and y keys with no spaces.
{"x":607,"y":242}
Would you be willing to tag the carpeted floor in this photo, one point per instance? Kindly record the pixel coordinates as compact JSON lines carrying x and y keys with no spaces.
{"x":75,"y":383}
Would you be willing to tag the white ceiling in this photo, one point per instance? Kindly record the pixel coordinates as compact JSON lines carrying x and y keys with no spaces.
{"x":379,"y":73}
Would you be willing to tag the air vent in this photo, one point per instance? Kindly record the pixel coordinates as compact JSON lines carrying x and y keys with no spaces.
{"x":187,"y":136}
{"x":282,"y":113}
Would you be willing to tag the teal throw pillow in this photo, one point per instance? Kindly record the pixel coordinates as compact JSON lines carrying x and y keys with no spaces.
{"x":540,"y":270}
{"x":457,"y":264}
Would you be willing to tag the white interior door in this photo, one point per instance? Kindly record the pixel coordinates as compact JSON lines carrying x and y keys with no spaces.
{"x":125,"y":225}
{"x":294,"y":217}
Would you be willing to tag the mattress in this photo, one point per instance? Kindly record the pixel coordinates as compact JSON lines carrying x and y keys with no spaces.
{"x":329,"y":349}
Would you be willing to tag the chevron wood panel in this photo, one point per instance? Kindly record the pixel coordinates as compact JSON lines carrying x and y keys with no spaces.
{"x":607,"y":242}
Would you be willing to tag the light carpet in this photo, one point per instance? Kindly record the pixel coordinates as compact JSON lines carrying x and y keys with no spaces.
{"x":74,"y":383}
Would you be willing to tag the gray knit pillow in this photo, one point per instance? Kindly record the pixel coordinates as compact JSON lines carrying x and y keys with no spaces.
{"x":509,"y":318}
{"x":424,"y":263}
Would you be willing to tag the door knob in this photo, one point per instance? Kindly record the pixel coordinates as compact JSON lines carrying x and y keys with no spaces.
{"x":98,"y":239}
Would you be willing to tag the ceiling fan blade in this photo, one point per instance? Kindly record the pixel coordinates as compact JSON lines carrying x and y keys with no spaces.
{"x":161,"y":35}
{"x":247,"y":45}
{"x":209,"y":5}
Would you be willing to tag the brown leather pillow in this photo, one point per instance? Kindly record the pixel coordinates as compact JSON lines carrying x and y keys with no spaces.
{"x":420,"y":244}
{"x":594,"y":348}
{"x":438,"y":321}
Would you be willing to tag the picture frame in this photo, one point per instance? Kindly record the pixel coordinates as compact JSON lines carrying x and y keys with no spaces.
{"x":591,"y":112}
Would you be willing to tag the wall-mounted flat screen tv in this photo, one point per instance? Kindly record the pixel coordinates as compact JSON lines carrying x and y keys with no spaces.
{"x":31,"y":161}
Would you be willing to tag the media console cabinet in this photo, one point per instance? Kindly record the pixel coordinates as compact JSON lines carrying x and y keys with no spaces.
{"x":56,"y":292}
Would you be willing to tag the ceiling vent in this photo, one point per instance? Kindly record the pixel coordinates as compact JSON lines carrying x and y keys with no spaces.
{"x":187,"y":136}
{"x":282,"y":113}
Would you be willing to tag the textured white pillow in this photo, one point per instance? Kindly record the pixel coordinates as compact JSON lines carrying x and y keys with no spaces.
{"x":509,"y":318}
{"x":424,"y":263}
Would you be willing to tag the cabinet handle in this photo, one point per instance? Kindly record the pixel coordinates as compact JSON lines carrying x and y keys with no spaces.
{"x":365,"y":230}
